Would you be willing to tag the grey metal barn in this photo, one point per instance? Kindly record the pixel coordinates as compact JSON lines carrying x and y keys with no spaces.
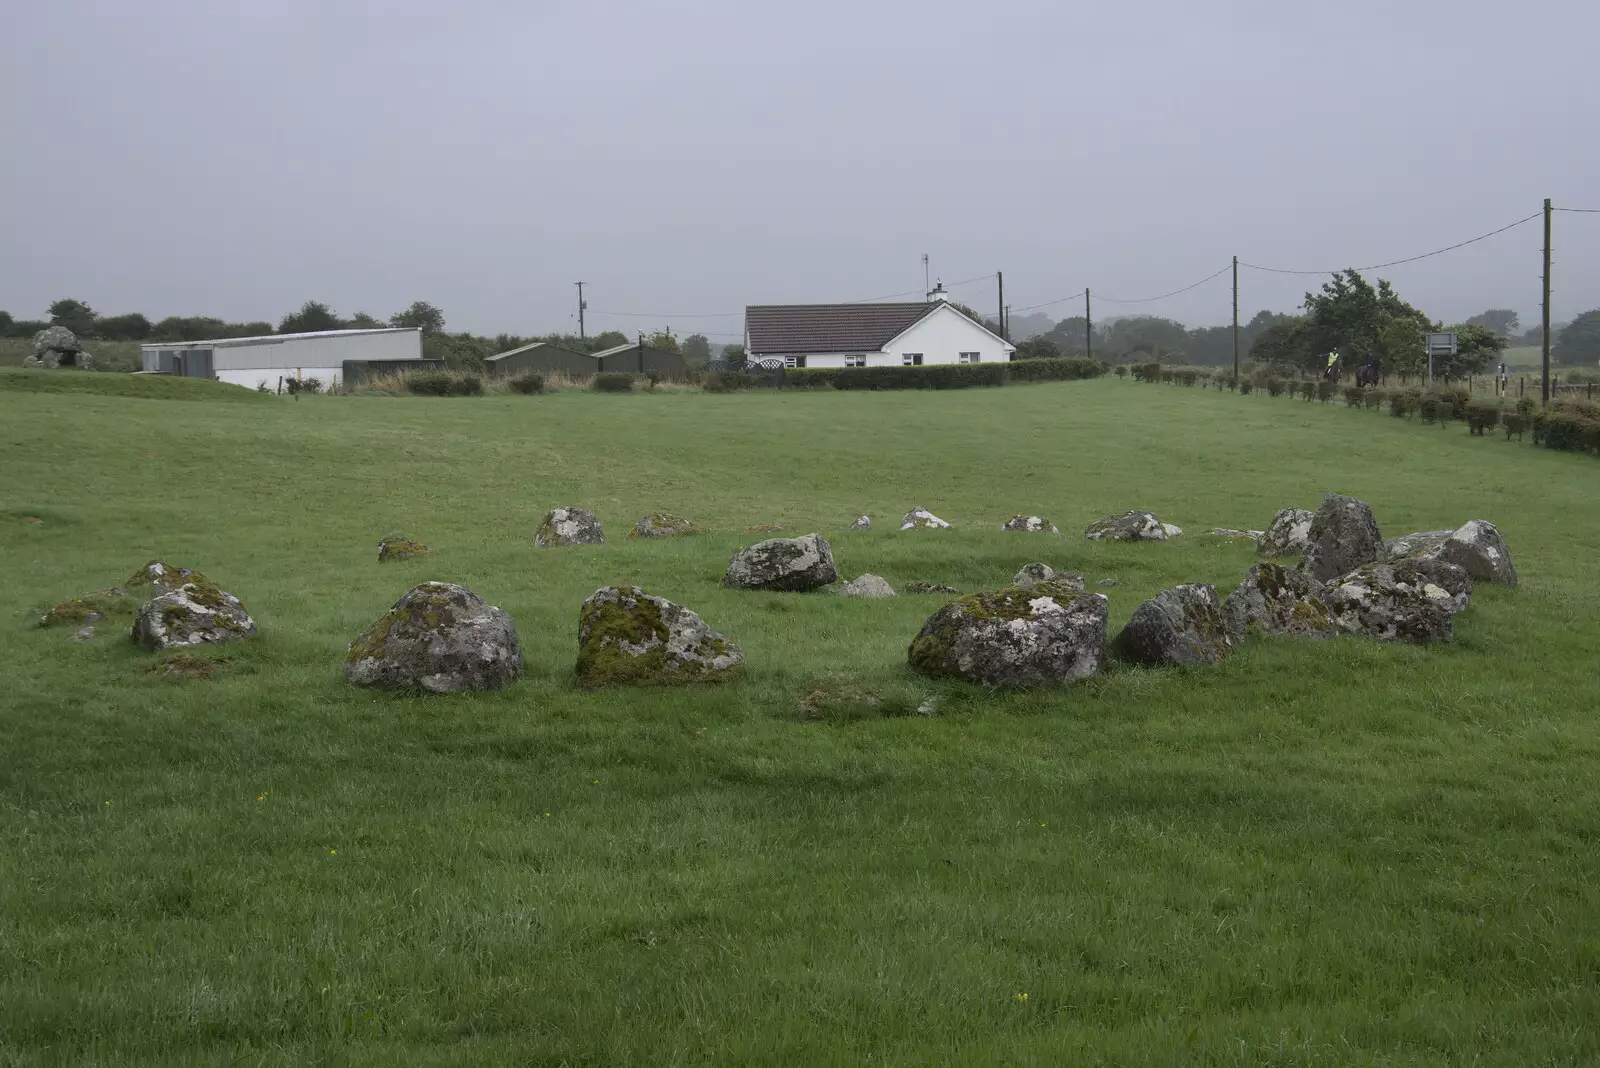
{"x":543,"y":357}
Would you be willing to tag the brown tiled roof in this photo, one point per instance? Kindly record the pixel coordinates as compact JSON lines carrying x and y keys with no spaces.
{"x":802,"y":328}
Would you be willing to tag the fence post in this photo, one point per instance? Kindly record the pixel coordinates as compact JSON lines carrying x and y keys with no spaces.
{"x":1522,"y":384}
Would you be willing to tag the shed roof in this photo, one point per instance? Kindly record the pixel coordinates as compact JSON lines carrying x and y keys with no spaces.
{"x":800,"y":328}
{"x":271,"y":339}
{"x":530,"y":347}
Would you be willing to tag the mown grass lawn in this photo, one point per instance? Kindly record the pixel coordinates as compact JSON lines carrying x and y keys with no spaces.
{"x":1319,"y":854}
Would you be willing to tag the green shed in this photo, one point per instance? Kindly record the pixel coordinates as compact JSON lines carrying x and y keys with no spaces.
{"x":543,"y":357}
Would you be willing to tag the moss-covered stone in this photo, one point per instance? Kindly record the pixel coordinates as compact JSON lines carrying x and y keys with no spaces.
{"x":569,"y":526}
{"x":1182,"y":625}
{"x":664,"y":525}
{"x":1273,"y":599}
{"x":161,"y":577}
{"x":196,"y":613}
{"x":90,"y":608}
{"x":397,"y":547}
{"x":1013,"y":637}
{"x":438,"y":638}
{"x":918,"y":586}
{"x":629,"y":637}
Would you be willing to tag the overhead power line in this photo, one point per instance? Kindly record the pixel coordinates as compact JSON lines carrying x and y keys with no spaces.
{"x":1408,"y":259}
{"x":1146,"y":300}
{"x":1581,"y":211}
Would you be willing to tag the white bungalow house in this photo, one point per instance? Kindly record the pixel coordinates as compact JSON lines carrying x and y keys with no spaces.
{"x":870,"y":335}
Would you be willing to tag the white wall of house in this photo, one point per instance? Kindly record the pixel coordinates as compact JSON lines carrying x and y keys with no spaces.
{"x":251,"y":361}
{"x":941,"y":338}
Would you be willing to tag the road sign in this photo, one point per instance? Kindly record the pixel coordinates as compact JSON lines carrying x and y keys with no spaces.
{"x":1442,"y":345}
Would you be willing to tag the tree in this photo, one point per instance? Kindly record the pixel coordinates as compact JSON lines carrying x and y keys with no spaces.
{"x":965,"y":310}
{"x":1068,"y":336}
{"x":697,"y":349}
{"x":130,"y":327}
{"x":75,"y":315}
{"x":606,"y":339}
{"x":6,"y":322}
{"x":1476,"y":348}
{"x":1579,"y":344}
{"x":661,"y":339}
{"x":1353,"y":317}
{"x":734,"y":354}
{"x":313,"y":315}
{"x":363,"y":321}
{"x":420,"y":316}
{"x":1282,"y":343}
{"x":1502,"y":321}
{"x":1038,"y":348}
{"x":1403,"y":347}
{"x":1136,"y":335}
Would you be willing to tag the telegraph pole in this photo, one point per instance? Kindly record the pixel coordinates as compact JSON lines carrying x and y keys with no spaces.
{"x":581,"y":306}
{"x":1236,"y":317}
{"x":1001,"y":277}
{"x":1088,"y":327}
{"x":1544,"y":390}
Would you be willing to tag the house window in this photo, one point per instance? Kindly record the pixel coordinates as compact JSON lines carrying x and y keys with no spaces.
{"x":969,"y":357}
{"x":794,"y":361}
{"x":855,"y":361}
{"x":911,"y":359}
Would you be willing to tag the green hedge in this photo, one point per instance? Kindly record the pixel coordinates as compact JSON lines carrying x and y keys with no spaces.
{"x":1064,"y":369}
{"x":937,"y":376}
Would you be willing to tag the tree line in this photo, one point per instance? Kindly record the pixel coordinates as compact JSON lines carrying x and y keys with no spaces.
{"x":1348,"y":314}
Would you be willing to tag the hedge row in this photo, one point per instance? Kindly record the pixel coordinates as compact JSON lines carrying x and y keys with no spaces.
{"x":944,"y":375}
{"x":1572,"y":426}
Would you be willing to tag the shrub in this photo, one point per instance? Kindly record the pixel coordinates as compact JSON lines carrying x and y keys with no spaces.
{"x":528,"y":382}
{"x":653,"y":378}
{"x":1326,"y":389}
{"x":1053,"y":370}
{"x":1428,"y":407}
{"x":1233,"y":381}
{"x":1355,"y":396}
{"x":1245,"y":386}
{"x":1275,"y":386}
{"x":302,"y":385}
{"x":725,"y":382}
{"x":1122,"y":372}
{"x":1482,"y":416}
{"x":466,"y":385}
{"x":1527,"y":407}
{"x":1376,"y":397}
{"x":1401,"y":404}
{"x":613,"y":382}
{"x":1308,"y":390}
{"x":444,"y":384}
{"x":1515,"y":423}
{"x":933,"y":376}
{"x":1453,"y":402}
{"x":1187,"y":377}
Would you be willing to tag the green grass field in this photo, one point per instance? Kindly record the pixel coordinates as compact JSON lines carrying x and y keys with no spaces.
{"x":1316,"y":854}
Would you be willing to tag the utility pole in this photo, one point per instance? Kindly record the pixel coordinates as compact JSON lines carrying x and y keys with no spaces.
{"x":1088,"y":328}
{"x":1001,"y":277}
{"x":1236,"y":317}
{"x":1006,"y":324}
{"x":1544,"y":392}
{"x":582,"y":305}
{"x":927,"y":286}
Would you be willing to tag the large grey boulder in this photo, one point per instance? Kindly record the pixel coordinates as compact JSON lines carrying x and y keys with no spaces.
{"x":1038,"y":576}
{"x":1478,"y":547}
{"x":1343,"y":537}
{"x":1129,"y":526}
{"x":196,"y":613}
{"x":868,"y":585}
{"x":569,"y":526}
{"x":792,"y":564}
{"x":1013,"y":637}
{"x":1182,"y":625}
{"x":1274,"y":599}
{"x":441,"y":638}
{"x":629,"y":637}
{"x":922,"y":519}
{"x":56,"y":339}
{"x":1287,"y":534}
{"x":1031,"y":524}
{"x":1409,"y":601}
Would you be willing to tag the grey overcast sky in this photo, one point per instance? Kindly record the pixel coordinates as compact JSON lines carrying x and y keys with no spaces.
{"x":238,"y":158}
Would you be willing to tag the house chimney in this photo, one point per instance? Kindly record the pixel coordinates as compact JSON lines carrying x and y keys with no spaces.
{"x":938,"y":293}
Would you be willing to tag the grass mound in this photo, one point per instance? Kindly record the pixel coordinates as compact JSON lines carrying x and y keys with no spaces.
{"x":112,"y":384}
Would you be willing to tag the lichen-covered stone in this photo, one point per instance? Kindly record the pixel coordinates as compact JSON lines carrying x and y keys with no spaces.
{"x":1274,"y":599}
{"x":1182,"y":625}
{"x":196,"y":613}
{"x":1408,"y":600}
{"x":1343,"y":537}
{"x":88,"y":609}
{"x":441,"y":638}
{"x":569,"y":526}
{"x":1107,"y":583}
{"x":160,"y":577}
{"x":867,"y":585}
{"x":791,"y":564}
{"x":1229,"y":534}
{"x":1013,"y":637}
{"x":1287,"y":534}
{"x":1172,"y":530}
{"x":627,"y":636}
{"x":1033,"y":524}
{"x":664,"y":525}
{"x":922,"y":519}
{"x":917,"y":586}
{"x":399,"y":548}
{"x":1039,"y":576}
{"x":863,"y":522}
{"x":1477,"y":546}
{"x":1129,"y":526}
{"x":57,"y":339}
